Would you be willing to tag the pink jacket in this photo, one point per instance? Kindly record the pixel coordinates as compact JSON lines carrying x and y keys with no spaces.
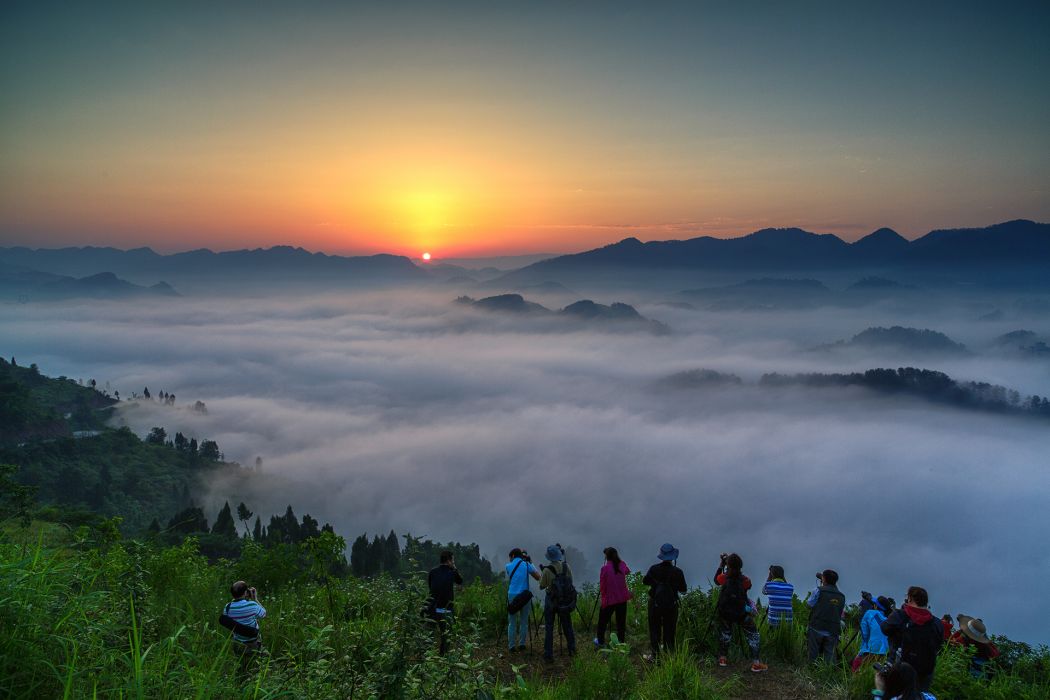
{"x":613,"y":586}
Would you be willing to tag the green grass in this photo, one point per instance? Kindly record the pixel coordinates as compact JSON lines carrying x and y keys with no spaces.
{"x":85,"y":616}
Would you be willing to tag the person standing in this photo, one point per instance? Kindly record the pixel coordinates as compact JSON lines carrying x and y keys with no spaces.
{"x":826,"y":604}
{"x":666,"y":581}
{"x":612,"y":588}
{"x":917,"y":634}
{"x":244,"y":613}
{"x":442,"y":581}
{"x":779,"y":592}
{"x":519,"y":597}
{"x":734,"y":608}
{"x":873,"y":643}
{"x":560,"y":601}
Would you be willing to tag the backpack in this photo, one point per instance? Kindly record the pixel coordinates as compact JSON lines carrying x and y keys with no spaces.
{"x":562,"y":592}
{"x":919,"y":644}
{"x":663,"y":595}
{"x":732,"y":599}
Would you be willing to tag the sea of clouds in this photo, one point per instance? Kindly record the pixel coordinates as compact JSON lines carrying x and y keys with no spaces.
{"x":404,"y":411}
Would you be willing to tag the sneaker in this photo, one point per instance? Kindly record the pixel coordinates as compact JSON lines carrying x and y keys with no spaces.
{"x":758,"y":667}
{"x":723,"y":661}
{"x":648,"y":657}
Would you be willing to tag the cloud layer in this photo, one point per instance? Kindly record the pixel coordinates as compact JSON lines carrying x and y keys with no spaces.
{"x":404,"y":411}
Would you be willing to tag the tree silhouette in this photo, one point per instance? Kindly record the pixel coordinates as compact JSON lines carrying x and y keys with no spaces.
{"x":244,"y":515}
{"x":224,"y":525}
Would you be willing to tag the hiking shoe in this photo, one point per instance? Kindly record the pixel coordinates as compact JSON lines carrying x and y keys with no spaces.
{"x":648,"y":657}
{"x":759,"y":667}
{"x":723,"y":661}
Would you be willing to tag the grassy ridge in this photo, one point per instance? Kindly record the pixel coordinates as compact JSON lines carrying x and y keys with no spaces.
{"x":86,"y":614}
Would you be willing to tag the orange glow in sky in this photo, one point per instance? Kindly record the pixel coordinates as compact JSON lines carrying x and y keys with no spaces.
{"x":503,"y":131}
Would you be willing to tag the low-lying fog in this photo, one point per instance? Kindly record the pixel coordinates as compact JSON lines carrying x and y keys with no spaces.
{"x":409,"y":412}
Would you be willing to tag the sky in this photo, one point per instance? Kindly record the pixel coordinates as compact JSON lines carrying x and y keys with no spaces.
{"x":498,"y":128}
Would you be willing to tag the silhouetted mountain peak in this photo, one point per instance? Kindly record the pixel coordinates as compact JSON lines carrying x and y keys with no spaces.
{"x":884,"y":241}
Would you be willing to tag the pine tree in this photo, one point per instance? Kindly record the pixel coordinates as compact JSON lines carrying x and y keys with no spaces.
{"x":257,"y":533}
{"x":359,"y":560}
{"x":391,"y":554}
{"x":224,"y":524}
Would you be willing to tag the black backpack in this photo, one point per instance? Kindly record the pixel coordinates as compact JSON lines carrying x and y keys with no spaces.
{"x":732,"y":599}
{"x":919,"y":644}
{"x":563,"y":593}
{"x":663,"y":595}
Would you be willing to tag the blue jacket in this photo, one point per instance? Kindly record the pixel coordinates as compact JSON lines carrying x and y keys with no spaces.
{"x":872,"y":640}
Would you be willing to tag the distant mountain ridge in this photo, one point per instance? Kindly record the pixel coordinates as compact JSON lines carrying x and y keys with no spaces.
{"x":27,"y":284}
{"x":1020,"y":242}
{"x":268,"y":265}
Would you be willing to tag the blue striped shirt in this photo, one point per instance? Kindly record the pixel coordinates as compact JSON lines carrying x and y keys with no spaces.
{"x":246,"y":612}
{"x":779,"y":593}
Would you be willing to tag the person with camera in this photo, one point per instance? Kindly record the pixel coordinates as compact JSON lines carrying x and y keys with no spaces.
{"x":559,"y":602}
{"x":915,"y":634}
{"x":826,"y":604}
{"x":442,"y":581}
{"x":734,"y":608}
{"x":519,"y":597}
{"x":241,"y":616}
{"x":665,"y":581}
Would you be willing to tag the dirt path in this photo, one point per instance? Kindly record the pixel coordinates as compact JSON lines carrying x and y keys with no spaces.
{"x":778,"y":683}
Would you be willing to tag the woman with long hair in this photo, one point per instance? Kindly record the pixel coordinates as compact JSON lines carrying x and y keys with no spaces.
{"x":612,"y":586}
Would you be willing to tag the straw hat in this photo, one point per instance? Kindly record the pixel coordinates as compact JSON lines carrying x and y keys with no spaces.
{"x":973,"y":628}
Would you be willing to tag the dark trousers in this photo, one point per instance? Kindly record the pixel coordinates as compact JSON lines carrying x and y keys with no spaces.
{"x":663,"y":624}
{"x":247,"y":653}
{"x":605,"y":614}
{"x":747,"y":626}
{"x":441,"y":622}
{"x":822,"y":646}
{"x":566,"y":627}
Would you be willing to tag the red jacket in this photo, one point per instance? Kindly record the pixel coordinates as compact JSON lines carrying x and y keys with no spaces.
{"x":983,"y":651}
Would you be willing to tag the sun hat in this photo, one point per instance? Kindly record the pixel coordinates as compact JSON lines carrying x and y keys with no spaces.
{"x":667,"y":552}
{"x":973,"y":628}
{"x":554,"y":553}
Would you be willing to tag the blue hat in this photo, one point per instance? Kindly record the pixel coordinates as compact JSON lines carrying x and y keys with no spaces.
{"x":554,"y":553}
{"x":667,"y":552}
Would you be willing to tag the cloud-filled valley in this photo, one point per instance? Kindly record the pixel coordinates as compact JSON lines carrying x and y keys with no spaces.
{"x":406,"y":411}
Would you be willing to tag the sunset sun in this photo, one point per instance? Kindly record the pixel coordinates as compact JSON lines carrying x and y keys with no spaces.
{"x":426,"y":256}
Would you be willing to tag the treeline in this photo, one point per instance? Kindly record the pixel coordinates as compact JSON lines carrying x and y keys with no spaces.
{"x":924,"y":383}
{"x":368,"y":558}
{"x":385,"y":555}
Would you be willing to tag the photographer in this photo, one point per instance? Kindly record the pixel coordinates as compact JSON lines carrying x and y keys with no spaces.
{"x":442,"y":580}
{"x":519,"y":597}
{"x":826,"y":604}
{"x":560,"y":601}
{"x":244,"y":612}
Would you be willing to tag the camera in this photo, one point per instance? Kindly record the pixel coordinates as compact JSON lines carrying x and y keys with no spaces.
{"x":525,"y":557}
{"x":252,"y":594}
